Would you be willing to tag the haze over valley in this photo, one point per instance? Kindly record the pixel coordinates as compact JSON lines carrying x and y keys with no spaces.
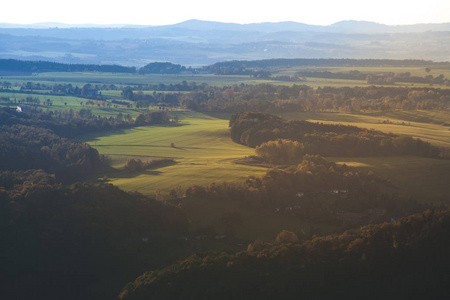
{"x":196,"y":43}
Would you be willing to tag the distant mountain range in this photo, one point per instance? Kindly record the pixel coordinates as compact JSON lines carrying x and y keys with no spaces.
{"x":197,"y":42}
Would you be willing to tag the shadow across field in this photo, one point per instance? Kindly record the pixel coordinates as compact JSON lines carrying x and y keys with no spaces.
{"x":150,"y":171}
{"x":96,"y":135}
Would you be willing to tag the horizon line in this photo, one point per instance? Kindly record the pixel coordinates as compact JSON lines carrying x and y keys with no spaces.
{"x":51,"y":24}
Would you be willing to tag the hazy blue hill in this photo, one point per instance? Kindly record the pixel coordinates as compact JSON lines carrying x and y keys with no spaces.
{"x":359,"y":26}
{"x":196,"y":42}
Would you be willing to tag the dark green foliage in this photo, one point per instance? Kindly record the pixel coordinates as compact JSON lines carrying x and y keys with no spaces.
{"x":79,"y":242}
{"x":315,"y":191}
{"x":281,"y":152}
{"x":329,"y":62}
{"x":136,"y":165}
{"x":152,"y":117}
{"x":46,"y":66}
{"x":161,"y":68}
{"x":405,"y":260}
{"x":255,"y":129}
{"x":70,"y":123}
{"x":275,"y":98}
{"x":25,"y":147}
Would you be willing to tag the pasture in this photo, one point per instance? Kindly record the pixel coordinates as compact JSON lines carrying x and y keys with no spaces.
{"x":202,"y":149}
{"x":430,"y":126}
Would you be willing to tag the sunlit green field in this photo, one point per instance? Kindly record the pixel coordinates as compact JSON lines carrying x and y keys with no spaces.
{"x":203,"y":151}
{"x":426,"y":125}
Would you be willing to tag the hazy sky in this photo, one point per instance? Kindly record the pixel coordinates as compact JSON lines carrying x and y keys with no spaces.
{"x":161,"y":12}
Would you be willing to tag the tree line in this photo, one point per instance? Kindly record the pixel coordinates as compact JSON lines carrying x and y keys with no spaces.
{"x":13,"y":65}
{"x":26,"y":147}
{"x":323,"y":62}
{"x":258,"y":129}
{"x":256,"y":68}
{"x":275,"y":98}
{"x":69,"y":123}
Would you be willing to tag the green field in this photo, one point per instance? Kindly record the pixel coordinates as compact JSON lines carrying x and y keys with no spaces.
{"x":426,"y":125}
{"x":203,"y":151}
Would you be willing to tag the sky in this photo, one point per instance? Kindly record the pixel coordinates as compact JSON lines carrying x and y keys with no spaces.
{"x":163,"y":12}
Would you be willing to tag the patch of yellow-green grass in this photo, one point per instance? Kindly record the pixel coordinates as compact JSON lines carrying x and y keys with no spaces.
{"x":201,"y":147}
{"x":427,"y":126}
{"x":424,"y":179}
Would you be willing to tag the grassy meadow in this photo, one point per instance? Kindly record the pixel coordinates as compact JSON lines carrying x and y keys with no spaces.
{"x":202,"y":149}
{"x":430,"y":126}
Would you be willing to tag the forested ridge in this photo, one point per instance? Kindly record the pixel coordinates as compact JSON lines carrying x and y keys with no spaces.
{"x":18,"y":66}
{"x":68,"y":239}
{"x":402,"y":260}
{"x":24,"y":147}
{"x":80,"y":241}
{"x":335,"y":62}
{"x":14,"y":65}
